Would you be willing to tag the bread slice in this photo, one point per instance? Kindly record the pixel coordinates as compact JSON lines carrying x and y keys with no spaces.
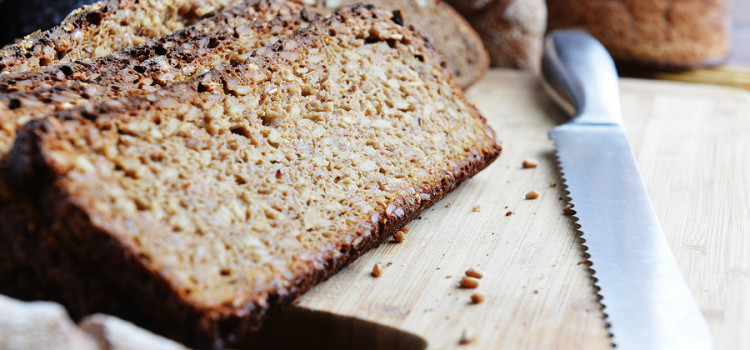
{"x":452,"y":36}
{"x":30,"y":267}
{"x":104,"y":27}
{"x":228,"y":38}
{"x":210,"y":204}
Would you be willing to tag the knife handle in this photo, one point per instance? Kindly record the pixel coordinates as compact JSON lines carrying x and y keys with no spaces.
{"x":579,"y":74}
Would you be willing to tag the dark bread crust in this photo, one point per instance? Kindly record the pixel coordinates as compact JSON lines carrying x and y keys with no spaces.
{"x":164,"y":307}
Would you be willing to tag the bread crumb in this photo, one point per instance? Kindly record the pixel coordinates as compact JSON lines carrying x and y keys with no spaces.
{"x":532,"y":195}
{"x":476,"y":273}
{"x":552,"y":185}
{"x":476,"y":209}
{"x":469,"y":282}
{"x":530,"y":163}
{"x":377,"y":270}
{"x":467,"y":336}
{"x":477,"y":297}
{"x":568,"y":210}
{"x":399,"y":236}
{"x":509,"y":213}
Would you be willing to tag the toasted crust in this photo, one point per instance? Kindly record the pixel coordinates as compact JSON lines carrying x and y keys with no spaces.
{"x":205,"y":314}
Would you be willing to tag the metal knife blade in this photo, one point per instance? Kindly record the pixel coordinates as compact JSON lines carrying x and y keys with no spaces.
{"x":646,"y":301}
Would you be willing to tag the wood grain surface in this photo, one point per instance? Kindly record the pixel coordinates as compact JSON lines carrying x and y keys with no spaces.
{"x":692,"y":143}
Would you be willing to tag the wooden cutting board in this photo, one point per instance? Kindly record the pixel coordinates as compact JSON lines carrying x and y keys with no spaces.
{"x":692,"y":143}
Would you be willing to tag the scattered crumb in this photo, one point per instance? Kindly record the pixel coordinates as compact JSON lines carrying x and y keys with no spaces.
{"x":476,"y":273}
{"x":389,"y":264}
{"x":532,"y":195}
{"x":467,"y":336}
{"x":437,"y":268}
{"x":469,"y":282}
{"x":404,"y":229}
{"x":530,"y":163}
{"x":399,"y":236}
{"x":449,"y":276}
{"x":377,"y":270}
{"x":476,"y":209}
{"x":509,"y":213}
{"x":568,"y":210}
{"x":552,"y":185}
{"x":536,"y":291}
{"x":506,"y":207}
{"x":448,"y":205}
{"x":477,"y":297}
{"x":582,"y":262}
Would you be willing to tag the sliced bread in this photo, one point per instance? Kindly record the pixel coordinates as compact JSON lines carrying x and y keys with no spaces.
{"x":30,"y":266}
{"x":104,"y":27}
{"x":228,"y":38}
{"x":208,"y":205}
{"x":452,"y":36}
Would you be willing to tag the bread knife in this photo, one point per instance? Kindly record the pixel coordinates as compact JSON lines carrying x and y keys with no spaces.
{"x":645,"y":299}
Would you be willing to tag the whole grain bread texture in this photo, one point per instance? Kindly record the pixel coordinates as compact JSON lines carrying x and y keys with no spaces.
{"x":667,"y":34}
{"x":226,"y":39}
{"x":512,"y":30}
{"x":104,"y":27}
{"x":213,"y":203}
{"x":452,"y":37}
{"x":31,"y":266}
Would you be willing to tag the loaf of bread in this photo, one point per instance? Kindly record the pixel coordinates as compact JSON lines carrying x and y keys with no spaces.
{"x":104,"y":27}
{"x":28,"y":270}
{"x":452,"y":36}
{"x":672,"y":34}
{"x":512,"y":30}
{"x":207,"y":205}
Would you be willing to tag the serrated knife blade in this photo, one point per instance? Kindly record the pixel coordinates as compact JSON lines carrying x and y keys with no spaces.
{"x":646,"y":300}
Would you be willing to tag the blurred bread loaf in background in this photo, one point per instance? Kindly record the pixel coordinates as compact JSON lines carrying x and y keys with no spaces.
{"x":671,"y":34}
